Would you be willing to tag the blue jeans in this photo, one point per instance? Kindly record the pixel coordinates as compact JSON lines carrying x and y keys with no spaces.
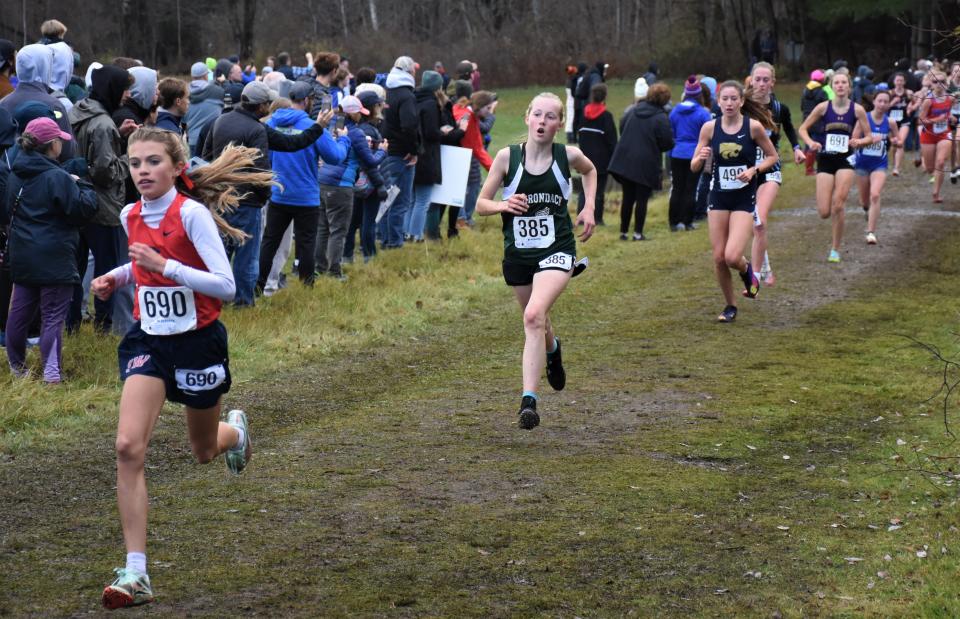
{"x":398,"y":173}
{"x":416,"y":217}
{"x":246,"y":257}
{"x":470,"y":201}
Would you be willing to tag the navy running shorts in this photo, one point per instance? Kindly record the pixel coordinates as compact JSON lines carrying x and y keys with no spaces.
{"x":194,"y":365}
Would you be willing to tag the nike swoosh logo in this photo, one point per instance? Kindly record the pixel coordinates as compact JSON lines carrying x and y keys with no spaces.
{"x":740,"y":137}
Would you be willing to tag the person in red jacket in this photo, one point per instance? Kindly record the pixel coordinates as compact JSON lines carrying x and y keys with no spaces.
{"x":478,"y":106}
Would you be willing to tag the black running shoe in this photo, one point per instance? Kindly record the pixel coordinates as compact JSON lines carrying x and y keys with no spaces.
{"x":555,"y":374}
{"x":729,"y":314}
{"x":751,"y":282}
{"x":529,"y":419}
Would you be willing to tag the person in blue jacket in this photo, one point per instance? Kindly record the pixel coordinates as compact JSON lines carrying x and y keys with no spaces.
{"x":297,"y":199}
{"x":336,"y":190}
{"x":686,"y":120}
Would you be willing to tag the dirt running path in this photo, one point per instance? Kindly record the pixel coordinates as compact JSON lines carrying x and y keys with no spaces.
{"x":375,"y":464}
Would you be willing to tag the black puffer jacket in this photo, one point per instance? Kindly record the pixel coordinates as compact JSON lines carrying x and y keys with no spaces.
{"x":45,"y":231}
{"x":645,"y":133}
{"x":428,"y":163}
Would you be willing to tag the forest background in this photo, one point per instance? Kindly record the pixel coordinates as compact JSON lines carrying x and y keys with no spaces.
{"x":514,"y":41}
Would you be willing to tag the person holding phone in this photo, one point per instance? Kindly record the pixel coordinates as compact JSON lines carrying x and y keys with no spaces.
{"x":337,"y":189}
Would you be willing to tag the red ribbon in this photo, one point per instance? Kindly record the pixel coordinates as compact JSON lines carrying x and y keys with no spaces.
{"x":187,"y":181}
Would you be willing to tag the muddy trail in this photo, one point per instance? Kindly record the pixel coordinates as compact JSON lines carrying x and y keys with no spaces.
{"x":394,"y":481}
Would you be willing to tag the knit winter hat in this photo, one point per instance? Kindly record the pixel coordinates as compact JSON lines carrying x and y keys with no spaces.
{"x":691,"y":87}
{"x":431,"y":81}
{"x":817,"y":75}
{"x":640,"y":88}
{"x":198,"y":70}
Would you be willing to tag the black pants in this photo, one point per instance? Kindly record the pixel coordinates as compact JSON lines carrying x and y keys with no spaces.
{"x":435,"y":218}
{"x":634,"y":193}
{"x":304,"y":220}
{"x":703,"y":190}
{"x":598,"y":201}
{"x":682,"y":192}
{"x":109,"y":247}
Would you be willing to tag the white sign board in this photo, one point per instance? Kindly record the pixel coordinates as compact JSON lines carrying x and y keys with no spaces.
{"x":455,"y":168}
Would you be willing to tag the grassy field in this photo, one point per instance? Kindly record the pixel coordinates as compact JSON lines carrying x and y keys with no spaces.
{"x":689,"y":469}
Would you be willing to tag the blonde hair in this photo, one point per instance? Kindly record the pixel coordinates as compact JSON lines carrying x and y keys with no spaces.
{"x":764,"y":65}
{"x":215,"y":184}
{"x":53,"y":28}
{"x":751,"y":107}
{"x":547,"y":95}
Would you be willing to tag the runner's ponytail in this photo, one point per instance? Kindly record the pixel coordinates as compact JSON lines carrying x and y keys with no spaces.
{"x":215,"y":184}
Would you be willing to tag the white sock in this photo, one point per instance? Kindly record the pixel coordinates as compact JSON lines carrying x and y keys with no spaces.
{"x":241,"y":439}
{"x":766,"y":262}
{"x":137,"y":562}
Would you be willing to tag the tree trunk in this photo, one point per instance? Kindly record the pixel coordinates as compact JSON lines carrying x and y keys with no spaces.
{"x":374,"y":23}
{"x":343,"y":19}
{"x":248,"y":21}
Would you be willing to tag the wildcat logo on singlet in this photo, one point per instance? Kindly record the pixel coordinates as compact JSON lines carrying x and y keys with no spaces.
{"x":730,"y":150}
{"x":137,"y":362}
{"x":544,"y":198}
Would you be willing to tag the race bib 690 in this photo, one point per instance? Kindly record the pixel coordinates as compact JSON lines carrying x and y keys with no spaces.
{"x":166,"y":310}
{"x":201,"y":380}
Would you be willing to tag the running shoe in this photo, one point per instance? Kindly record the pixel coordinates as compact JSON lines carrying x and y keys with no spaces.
{"x":871,"y":238}
{"x":639,"y":237}
{"x":729,"y":314}
{"x":896,"y":172}
{"x":751,"y":283}
{"x":128,"y":589}
{"x":953,"y":176}
{"x":834,"y":256}
{"x":770,"y":279}
{"x":238,"y":458}
{"x":623,"y":236}
{"x":529,"y":419}
{"x":679,"y":228}
{"x":556,"y":376}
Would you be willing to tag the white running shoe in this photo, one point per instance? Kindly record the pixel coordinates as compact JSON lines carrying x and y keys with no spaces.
{"x":871,"y":238}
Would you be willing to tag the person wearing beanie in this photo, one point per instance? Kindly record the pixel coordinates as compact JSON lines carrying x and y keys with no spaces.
{"x":686,"y":119}
{"x":597,"y":140}
{"x":427,"y":173}
{"x":206,"y":104}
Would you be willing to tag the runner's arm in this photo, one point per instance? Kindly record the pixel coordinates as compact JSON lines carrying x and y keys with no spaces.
{"x":588,"y":176}
{"x":702,"y":152}
{"x":863,"y":125}
{"x":486,"y":205}
{"x":812,"y":119}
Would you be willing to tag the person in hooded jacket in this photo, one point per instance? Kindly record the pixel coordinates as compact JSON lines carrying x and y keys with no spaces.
{"x":427,"y":172}
{"x":598,"y":139}
{"x":401,"y":128}
{"x":645,"y":134}
{"x":686,"y":119}
{"x":141,"y":101}
{"x":100,"y":142}
{"x":591,"y":77}
{"x":297,"y":199}
{"x":206,"y":103}
{"x":33,"y":70}
{"x":45,"y":206}
{"x":61,"y":70}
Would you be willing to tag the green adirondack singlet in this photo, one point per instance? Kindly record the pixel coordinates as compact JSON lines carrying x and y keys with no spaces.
{"x":547,"y":194}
